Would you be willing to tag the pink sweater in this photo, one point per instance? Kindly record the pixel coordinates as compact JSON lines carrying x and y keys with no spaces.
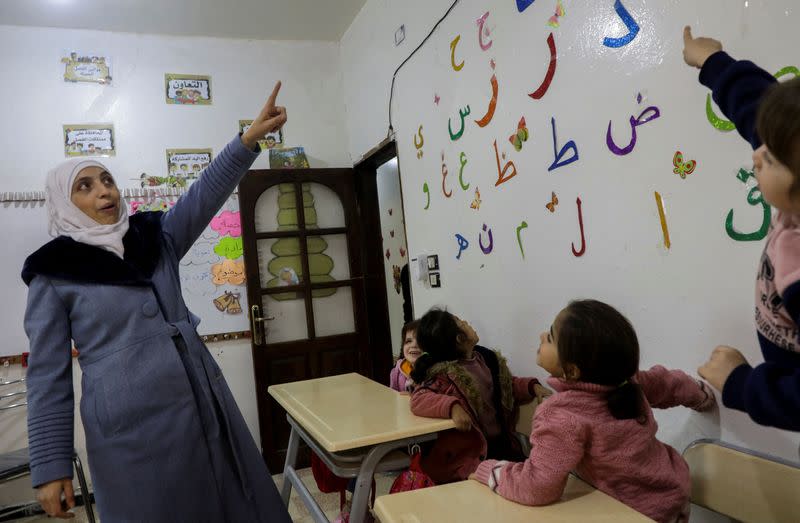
{"x":574,"y":429}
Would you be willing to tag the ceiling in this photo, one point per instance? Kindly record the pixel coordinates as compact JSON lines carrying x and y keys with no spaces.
{"x":251,"y":19}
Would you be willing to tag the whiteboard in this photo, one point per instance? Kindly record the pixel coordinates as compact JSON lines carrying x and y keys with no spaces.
{"x":28,"y":222}
{"x":683,"y":300}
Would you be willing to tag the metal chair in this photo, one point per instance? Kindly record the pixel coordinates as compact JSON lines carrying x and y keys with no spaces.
{"x":743,"y":484}
{"x":525,"y":424}
{"x":16,"y":464}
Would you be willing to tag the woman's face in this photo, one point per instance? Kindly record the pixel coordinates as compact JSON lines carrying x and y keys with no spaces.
{"x":95,"y":193}
{"x":411,"y":350}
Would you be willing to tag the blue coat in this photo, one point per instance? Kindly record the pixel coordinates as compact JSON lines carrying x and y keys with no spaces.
{"x":165,"y":439}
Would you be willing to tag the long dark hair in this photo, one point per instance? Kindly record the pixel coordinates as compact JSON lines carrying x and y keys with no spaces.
{"x":778,"y":126}
{"x":437,"y":336}
{"x":411,"y":326}
{"x":601,"y":342}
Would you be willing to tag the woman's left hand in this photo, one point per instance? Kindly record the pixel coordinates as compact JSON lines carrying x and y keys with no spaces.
{"x":271,"y":118}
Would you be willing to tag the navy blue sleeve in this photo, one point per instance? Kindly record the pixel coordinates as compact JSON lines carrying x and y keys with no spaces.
{"x":737,"y":88}
{"x":51,"y":403}
{"x":185,"y":222}
{"x":769,"y":393}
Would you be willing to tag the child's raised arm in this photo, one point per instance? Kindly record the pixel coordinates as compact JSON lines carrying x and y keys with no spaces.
{"x":737,"y":86}
{"x":666,"y":388}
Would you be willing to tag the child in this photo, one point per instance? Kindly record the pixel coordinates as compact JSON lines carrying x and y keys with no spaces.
{"x":599,"y":422}
{"x":766,"y":114}
{"x":461,"y":380}
{"x":400,"y":377}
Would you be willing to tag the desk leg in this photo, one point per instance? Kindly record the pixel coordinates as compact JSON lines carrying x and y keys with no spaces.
{"x":359,"y":507}
{"x":291,"y":461}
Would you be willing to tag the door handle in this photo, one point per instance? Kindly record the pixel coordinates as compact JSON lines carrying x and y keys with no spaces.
{"x":257,"y":324}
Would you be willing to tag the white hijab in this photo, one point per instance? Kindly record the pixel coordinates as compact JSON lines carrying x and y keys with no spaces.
{"x":66,"y":219}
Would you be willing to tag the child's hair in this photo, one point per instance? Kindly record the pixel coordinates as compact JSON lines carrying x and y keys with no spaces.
{"x":601,"y":342}
{"x":778,"y":126}
{"x":437,"y":336}
{"x":411,"y":326}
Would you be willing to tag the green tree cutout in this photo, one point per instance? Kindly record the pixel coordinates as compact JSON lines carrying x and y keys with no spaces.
{"x":287,"y":250}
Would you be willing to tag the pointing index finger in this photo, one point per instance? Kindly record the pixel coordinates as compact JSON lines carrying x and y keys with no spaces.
{"x":274,"y":96}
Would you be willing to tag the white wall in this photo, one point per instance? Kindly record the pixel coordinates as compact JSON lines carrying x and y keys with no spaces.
{"x":369,"y":57}
{"x":393,"y":232}
{"x":683,"y":301}
{"x":37,"y":102}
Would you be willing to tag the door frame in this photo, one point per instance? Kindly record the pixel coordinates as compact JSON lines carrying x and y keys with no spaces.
{"x":366,"y":181}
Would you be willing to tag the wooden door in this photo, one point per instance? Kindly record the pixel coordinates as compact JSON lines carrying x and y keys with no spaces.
{"x":305,"y":285}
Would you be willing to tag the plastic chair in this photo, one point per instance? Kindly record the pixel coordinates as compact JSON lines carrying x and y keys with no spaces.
{"x":525,"y":424}
{"x":743,"y":484}
{"x":16,"y":464}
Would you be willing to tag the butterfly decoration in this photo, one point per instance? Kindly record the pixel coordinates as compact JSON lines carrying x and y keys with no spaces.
{"x":436,"y":99}
{"x":553,"y":21}
{"x":229,"y":302}
{"x":402,"y":252}
{"x":682,"y":169}
{"x":520,"y":136}
{"x":551,"y":206}
{"x":391,"y":233}
{"x":388,"y":254}
{"x":476,"y":203}
{"x":492,"y":63}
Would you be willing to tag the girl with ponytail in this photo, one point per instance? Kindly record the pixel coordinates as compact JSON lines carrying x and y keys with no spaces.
{"x":600,"y":420}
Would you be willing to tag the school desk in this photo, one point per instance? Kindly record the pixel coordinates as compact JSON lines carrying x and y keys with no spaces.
{"x":356,"y":426}
{"x":467,"y":501}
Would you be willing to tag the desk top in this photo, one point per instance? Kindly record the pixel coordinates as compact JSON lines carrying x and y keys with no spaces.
{"x":473,"y":501}
{"x":350,"y":411}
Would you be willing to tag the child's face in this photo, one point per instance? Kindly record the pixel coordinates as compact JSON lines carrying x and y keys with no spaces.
{"x":411,"y":350}
{"x":469,"y":336}
{"x":775,"y":180}
{"x":547,"y":355}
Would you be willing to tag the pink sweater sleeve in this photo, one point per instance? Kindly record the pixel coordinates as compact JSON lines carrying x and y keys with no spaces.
{"x":557,"y":448}
{"x":425,"y":402}
{"x":666,"y":388}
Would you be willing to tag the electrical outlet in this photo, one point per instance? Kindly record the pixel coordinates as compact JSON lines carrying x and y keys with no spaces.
{"x":400,"y":35}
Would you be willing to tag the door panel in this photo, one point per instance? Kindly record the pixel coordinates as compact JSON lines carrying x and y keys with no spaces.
{"x":305,"y":278}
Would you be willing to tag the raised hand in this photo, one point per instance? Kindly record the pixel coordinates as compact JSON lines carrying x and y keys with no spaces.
{"x":270,"y":119}
{"x":697,"y":50}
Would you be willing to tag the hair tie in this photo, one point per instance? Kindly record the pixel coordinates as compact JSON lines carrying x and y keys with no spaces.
{"x":622,"y":384}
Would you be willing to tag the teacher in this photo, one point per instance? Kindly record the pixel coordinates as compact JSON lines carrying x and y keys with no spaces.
{"x":164,"y":437}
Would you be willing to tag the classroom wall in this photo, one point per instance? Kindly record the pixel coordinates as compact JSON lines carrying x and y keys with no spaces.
{"x":37,"y":102}
{"x":684,"y":300}
{"x":369,"y":57}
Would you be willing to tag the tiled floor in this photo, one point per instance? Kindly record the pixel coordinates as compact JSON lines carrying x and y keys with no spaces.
{"x":328,"y":502}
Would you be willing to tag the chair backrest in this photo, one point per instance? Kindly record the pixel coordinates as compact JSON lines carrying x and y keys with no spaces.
{"x":525,"y":421}
{"x":12,"y":399}
{"x":743,"y":484}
